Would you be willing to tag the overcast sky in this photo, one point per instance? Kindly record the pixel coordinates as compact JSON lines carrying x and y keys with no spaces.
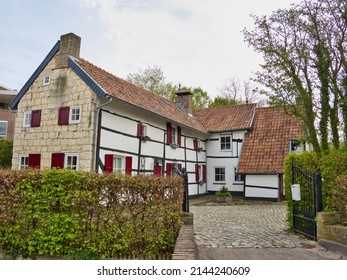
{"x":195,"y":42}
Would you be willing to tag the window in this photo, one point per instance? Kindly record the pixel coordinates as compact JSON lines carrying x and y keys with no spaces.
{"x":23,"y":161}
{"x":75,"y":114}
{"x":71,"y":161}
{"x":117,"y":164}
{"x":3,"y":129}
{"x":27,"y":119}
{"x":173,"y":135}
{"x":143,"y":163}
{"x":46,"y":80}
{"x":238,"y":177}
{"x":225,"y":143}
{"x":219,"y":174}
{"x":141,"y":130}
{"x":34,"y":161}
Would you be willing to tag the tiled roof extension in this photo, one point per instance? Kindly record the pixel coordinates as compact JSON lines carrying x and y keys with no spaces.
{"x":224,"y":118}
{"x":267,"y":145}
{"x":138,"y":96}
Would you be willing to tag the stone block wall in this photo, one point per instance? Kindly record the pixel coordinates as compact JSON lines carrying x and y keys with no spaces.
{"x":65,"y":89}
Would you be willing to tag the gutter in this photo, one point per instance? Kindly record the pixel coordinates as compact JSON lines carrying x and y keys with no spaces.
{"x":97,"y":110}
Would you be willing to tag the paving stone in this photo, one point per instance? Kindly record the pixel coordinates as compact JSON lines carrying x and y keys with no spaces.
{"x":243,"y":226}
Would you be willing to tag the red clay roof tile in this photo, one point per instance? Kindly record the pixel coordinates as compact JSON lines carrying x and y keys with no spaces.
{"x":138,"y":96}
{"x":226,"y":117}
{"x":266,"y":146}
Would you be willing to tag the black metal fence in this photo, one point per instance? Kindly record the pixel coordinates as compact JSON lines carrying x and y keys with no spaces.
{"x":305,"y":209}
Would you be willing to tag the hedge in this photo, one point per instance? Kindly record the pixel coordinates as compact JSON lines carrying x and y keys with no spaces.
{"x":6,"y":147}
{"x":87,"y":215}
{"x":332,"y":166}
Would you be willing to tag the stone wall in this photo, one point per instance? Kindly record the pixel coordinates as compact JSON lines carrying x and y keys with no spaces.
{"x":65,"y":89}
{"x":331,"y":235}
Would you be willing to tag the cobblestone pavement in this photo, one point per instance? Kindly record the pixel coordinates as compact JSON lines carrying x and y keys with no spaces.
{"x":243,"y":226}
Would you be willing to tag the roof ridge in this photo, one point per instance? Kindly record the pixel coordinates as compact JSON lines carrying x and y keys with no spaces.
{"x":225,"y":106}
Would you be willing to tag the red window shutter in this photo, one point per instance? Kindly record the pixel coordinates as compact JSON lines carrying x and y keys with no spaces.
{"x":179,"y":166}
{"x":35,"y":118}
{"x":108,"y":163}
{"x":197,"y":175}
{"x":57,"y":160}
{"x":140,"y":130}
{"x":34,"y":161}
{"x":196,"y":144}
{"x":179,"y":134}
{"x":128,"y":165}
{"x":168,"y":134}
{"x":63,"y":115}
{"x":168,"y":169}
{"x":157,"y":170}
{"x":204,"y":177}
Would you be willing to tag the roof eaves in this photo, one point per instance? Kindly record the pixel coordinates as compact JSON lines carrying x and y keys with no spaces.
{"x":230,"y":129}
{"x":99,"y":91}
{"x":33,"y":77}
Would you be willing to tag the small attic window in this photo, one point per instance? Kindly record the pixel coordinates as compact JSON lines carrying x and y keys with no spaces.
{"x":46,"y":80}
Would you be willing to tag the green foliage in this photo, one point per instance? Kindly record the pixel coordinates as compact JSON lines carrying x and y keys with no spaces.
{"x":340,"y":198}
{"x":6,"y":147}
{"x":222,"y":101}
{"x":153,"y":79}
{"x":223,"y":192}
{"x":83,"y":215}
{"x":308,"y":161}
{"x":332,"y":166}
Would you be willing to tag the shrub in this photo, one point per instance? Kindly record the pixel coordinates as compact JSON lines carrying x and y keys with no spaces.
{"x":332,"y":166}
{"x":340,"y":198}
{"x":6,"y":147}
{"x":64,"y":212}
{"x":223,"y":192}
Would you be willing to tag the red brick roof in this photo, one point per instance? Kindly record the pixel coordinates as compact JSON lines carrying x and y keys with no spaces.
{"x":226,"y":117}
{"x":266,"y":146}
{"x":138,"y":96}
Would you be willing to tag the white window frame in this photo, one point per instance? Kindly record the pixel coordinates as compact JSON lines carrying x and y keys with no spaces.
{"x":225,"y":143}
{"x":72,"y":114}
{"x":117,"y":169}
{"x":215,"y":174}
{"x":4,"y":136}
{"x":23,"y":161}
{"x":46,"y":80}
{"x":66,"y":161}
{"x":173,"y":135}
{"x":27,"y":119}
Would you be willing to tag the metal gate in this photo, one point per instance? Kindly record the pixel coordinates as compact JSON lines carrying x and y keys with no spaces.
{"x":305,"y":209}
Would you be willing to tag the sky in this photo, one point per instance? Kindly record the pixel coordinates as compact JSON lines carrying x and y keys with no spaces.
{"x":197,"y":43}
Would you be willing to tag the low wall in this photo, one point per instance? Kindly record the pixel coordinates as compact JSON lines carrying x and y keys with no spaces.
{"x":330,"y":235}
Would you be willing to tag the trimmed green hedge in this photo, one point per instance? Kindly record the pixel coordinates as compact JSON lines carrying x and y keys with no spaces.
{"x":6,"y":147}
{"x":86,"y":215}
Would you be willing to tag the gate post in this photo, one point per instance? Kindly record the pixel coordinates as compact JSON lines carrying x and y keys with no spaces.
{"x":319,"y":187}
{"x":185,"y":205}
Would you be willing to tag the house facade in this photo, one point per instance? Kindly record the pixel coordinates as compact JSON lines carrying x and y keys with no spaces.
{"x":73,"y":114}
{"x":7,"y":116}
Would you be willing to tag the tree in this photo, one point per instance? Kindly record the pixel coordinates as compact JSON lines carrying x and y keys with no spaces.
{"x":240,"y":92}
{"x":153,"y":79}
{"x":222,"y":101}
{"x":302,"y":68}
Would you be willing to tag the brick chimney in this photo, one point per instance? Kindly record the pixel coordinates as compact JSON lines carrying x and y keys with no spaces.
{"x":69,"y":45}
{"x":184,"y":101}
